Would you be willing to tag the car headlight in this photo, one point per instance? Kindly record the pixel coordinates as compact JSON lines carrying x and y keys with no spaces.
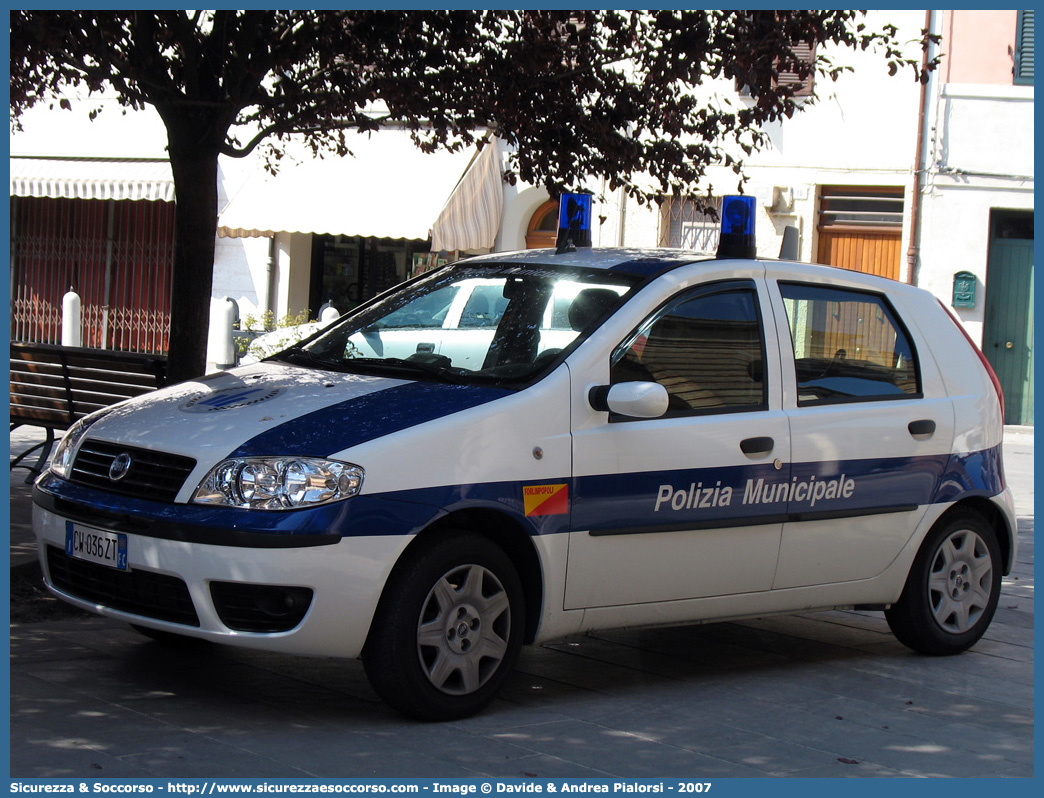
{"x":279,"y":483}
{"x":61,"y":463}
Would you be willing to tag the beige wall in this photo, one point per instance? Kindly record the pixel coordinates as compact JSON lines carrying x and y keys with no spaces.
{"x":977,"y":46}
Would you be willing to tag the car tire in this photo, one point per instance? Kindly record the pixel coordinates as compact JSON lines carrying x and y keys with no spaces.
{"x":448,"y":629}
{"x":952,"y":590}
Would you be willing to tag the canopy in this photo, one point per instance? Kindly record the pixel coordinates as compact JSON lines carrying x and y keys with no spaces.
{"x":471,"y":218}
{"x":388,"y":188}
{"x":91,"y":178}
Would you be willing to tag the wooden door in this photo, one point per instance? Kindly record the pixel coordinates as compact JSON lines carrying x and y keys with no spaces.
{"x":862,"y":251}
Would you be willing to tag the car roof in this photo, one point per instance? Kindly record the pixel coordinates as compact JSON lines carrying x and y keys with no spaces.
{"x":646,"y":262}
{"x":651,"y":263}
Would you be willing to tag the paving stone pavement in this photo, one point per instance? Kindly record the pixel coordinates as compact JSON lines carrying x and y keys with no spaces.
{"x":807,"y":695}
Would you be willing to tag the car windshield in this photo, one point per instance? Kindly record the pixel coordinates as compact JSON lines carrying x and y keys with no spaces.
{"x":499,"y":324}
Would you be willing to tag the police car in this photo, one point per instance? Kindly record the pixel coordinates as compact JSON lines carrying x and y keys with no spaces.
{"x":618,"y":438}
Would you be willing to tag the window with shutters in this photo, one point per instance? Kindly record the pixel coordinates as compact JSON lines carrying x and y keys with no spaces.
{"x":802,"y":84}
{"x":1024,"y":55}
{"x":806,"y":54}
{"x":861,"y":228}
{"x":861,"y":207}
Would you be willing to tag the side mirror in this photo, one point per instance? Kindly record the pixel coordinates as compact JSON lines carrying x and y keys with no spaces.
{"x":634,"y":399}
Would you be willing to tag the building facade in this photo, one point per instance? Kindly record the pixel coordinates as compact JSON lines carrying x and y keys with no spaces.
{"x":931,"y":185}
{"x":92,"y":209}
{"x":977,"y":199}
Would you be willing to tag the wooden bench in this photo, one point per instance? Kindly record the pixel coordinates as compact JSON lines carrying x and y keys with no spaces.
{"x":55,"y":386}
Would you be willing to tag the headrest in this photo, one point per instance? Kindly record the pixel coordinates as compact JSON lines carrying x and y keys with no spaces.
{"x":589,"y":304}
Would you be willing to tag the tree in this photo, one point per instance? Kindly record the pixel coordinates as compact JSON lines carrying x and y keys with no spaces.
{"x":593,"y":93}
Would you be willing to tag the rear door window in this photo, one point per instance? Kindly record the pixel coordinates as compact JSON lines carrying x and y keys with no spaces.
{"x":848,"y":346}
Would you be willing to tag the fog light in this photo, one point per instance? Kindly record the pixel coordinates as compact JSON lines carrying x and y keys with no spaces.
{"x":260,"y":608}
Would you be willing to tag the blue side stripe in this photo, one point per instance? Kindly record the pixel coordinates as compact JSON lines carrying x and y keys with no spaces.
{"x":758,"y":493}
{"x":364,"y":418}
{"x":394,"y":513}
{"x":598,"y":503}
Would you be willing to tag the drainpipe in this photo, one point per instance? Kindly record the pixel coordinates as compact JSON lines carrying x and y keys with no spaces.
{"x":915,"y":212}
{"x":623,"y":218}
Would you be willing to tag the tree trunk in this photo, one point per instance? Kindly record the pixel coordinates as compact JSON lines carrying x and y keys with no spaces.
{"x":195,"y":190}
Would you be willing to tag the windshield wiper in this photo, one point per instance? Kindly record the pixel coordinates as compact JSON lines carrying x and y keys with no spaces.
{"x":305,"y":357}
{"x":397,"y":364}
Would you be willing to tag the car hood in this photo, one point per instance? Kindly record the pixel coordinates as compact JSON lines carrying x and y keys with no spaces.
{"x":277,"y":409}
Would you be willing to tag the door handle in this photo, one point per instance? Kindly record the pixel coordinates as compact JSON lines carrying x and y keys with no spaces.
{"x":752,"y":446}
{"x":924,"y":426}
{"x":426,"y":348}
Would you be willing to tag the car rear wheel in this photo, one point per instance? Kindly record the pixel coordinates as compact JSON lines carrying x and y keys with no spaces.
{"x":952,"y":591}
{"x":448,"y":629}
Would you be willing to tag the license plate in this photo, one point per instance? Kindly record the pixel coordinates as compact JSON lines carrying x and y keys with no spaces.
{"x":96,"y":545}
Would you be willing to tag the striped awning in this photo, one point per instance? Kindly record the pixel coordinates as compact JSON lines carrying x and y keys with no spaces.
{"x":471,"y":218}
{"x":91,"y":178}
{"x":388,"y":188}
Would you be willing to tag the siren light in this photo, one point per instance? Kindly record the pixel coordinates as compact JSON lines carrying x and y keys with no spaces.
{"x":574,"y":222}
{"x":737,"y":227}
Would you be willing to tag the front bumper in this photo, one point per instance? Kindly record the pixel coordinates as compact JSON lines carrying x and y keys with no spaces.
{"x":345,"y":579}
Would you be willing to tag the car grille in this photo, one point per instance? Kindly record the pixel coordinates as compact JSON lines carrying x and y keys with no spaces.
{"x":152,"y":475}
{"x":151,"y":595}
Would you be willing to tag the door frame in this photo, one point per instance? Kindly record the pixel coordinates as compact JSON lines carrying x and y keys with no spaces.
{"x":1009,"y":246}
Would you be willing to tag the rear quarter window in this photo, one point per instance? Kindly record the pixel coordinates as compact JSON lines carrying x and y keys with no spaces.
{"x":849,"y":346}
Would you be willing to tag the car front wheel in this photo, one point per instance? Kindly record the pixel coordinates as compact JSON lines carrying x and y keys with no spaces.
{"x":448,"y":629}
{"x":952,"y":591}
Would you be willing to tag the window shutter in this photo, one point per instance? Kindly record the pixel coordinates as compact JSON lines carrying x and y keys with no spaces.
{"x":1024,"y":49}
{"x":805,"y":53}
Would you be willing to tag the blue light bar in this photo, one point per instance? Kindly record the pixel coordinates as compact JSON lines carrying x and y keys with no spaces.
{"x":737,"y":228}
{"x":574,"y":222}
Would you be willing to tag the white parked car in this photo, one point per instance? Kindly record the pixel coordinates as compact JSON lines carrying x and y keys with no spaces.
{"x":525,"y":446}
{"x":457,"y":320}
{"x":276,"y":340}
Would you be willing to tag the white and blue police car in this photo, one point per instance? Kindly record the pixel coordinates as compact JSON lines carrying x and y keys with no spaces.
{"x":524,"y":446}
